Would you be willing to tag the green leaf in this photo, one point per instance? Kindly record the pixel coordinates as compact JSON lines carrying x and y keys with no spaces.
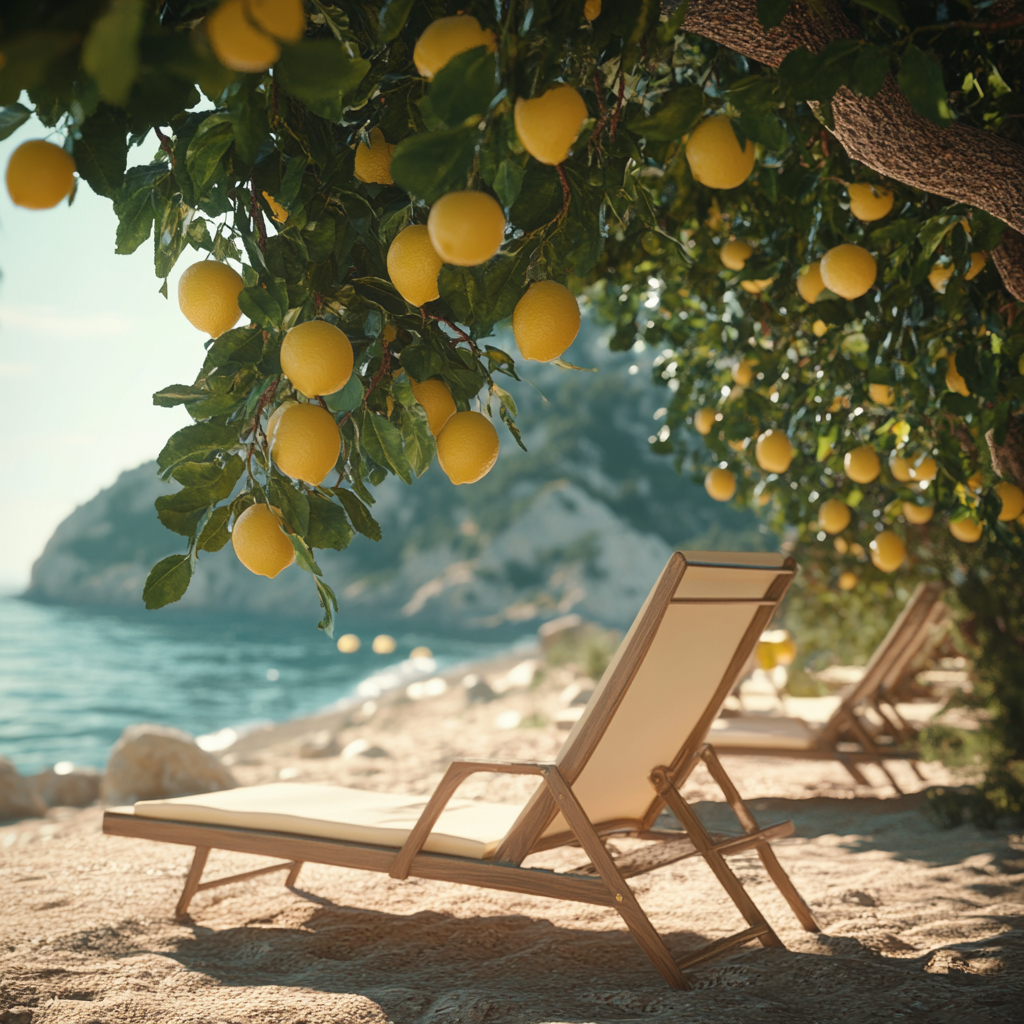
{"x":320,"y":72}
{"x":167,"y":581}
{"x":196,"y":442}
{"x":771,"y":12}
{"x":886,"y":8}
{"x":208,"y":145}
{"x":133,"y":205}
{"x":250,"y":126}
{"x":393,"y":16}
{"x":540,"y":198}
{"x":464,"y":87}
{"x":294,"y":505}
{"x":261,"y":307}
{"x":358,"y":514}
{"x":429,"y":164}
{"x":920,"y":79}
{"x":215,"y":533}
{"x":673,"y":117}
{"x":419,"y":442}
{"x":383,"y":443}
{"x":303,"y":556}
{"x":508,"y":181}
{"x":12,"y":117}
{"x":328,"y":525}
{"x":421,"y":362}
{"x":101,"y":154}
{"x":168,"y":238}
{"x":179,"y":394}
{"x":110,"y":51}
{"x":870,"y":68}
{"x":382,"y":293}
{"x":348,"y":398}
{"x":329,"y":603}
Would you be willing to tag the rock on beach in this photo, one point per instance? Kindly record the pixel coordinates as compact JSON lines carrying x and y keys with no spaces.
{"x":17,"y":797}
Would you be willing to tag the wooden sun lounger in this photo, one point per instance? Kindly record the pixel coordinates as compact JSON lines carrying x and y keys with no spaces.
{"x":848,"y":736}
{"x":642,"y":734}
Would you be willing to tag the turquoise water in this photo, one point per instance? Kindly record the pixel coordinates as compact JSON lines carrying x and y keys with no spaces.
{"x":71,"y":679}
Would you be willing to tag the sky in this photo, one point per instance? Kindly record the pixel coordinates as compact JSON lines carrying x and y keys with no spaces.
{"x":85,"y":340}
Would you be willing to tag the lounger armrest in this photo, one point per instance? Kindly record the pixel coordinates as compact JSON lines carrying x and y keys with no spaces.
{"x":458,"y":772}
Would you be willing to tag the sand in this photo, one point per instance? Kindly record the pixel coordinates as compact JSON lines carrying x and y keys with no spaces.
{"x":919,"y":923}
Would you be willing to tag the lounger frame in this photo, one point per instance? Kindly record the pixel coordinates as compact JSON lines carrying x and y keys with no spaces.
{"x":601,"y":881}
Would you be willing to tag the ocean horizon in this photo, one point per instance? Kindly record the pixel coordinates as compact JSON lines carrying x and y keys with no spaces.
{"x":72,"y":678}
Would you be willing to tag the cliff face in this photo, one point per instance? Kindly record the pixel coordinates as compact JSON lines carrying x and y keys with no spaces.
{"x":583,"y":522}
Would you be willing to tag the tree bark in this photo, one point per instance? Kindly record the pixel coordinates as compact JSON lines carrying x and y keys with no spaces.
{"x":883,"y":132}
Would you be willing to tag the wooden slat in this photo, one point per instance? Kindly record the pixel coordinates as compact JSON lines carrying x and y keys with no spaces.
{"x":713,"y":949}
{"x":246,"y":875}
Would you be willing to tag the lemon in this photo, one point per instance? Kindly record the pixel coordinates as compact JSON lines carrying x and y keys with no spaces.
{"x":413,"y":265}
{"x":304,"y":441}
{"x":714,"y":154}
{"x":847,"y":580}
{"x":976,"y":481}
{"x":437,"y":403}
{"x":237,"y":43}
{"x":282,"y":19}
{"x":317,"y":358}
{"x":953,"y":379}
{"x":592,"y":10}
{"x":714,"y":219}
{"x":773,"y":452}
{"x":966,"y":530}
{"x":743,"y":372}
{"x":976,"y":267}
{"x":277,"y":212}
{"x":918,"y":514}
{"x":840,"y":544}
{"x":208,"y":296}
{"x":785,"y":650}
{"x":466,"y":228}
{"x":881,"y":394}
{"x":764,"y":497}
{"x":39,"y":175}
{"x":869,"y":202}
{"x":548,"y":125}
{"x":467,"y":447}
{"x":734,"y":255}
{"x":925,"y":469}
{"x":938,"y":277}
{"x":809,"y":283}
{"x":740,"y":445}
{"x":349,"y":643}
{"x":764,"y":655}
{"x":704,"y":421}
{"x":720,"y":484}
{"x":756,"y":285}
{"x":848,"y":270}
{"x":546,"y":321}
{"x":819,"y":327}
{"x":446,"y":38}
{"x":862,"y":465}
{"x":260,"y":543}
{"x":1012,"y":498}
{"x":373,"y":162}
{"x":834,"y":516}
{"x":900,"y":468}
{"x":888,"y":552}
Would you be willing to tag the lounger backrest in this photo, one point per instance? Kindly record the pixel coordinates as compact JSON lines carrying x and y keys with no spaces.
{"x":665,"y":685}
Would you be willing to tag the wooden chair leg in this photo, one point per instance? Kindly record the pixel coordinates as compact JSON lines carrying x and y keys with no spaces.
{"x":195,"y":873}
{"x":870,"y":747}
{"x":855,"y":773}
{"x":293,"y":874}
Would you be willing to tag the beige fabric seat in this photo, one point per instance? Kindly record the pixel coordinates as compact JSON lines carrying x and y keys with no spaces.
{"x":770,"y":732}
{"x":467,"y":828}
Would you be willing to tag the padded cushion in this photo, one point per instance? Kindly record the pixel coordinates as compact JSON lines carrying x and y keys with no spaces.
{"x":467,"y":828}
{"x":769,"y":732}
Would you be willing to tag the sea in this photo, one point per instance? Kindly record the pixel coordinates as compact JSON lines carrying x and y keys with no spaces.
{"x":72,"y":678}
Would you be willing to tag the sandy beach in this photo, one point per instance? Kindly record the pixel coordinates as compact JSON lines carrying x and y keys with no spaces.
{"x":919,"y":923}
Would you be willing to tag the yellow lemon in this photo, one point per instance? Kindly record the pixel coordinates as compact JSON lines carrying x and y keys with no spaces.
{"x":317,"y":358}
{"x":773,"y":451}
{"x":260,"y":543}
{"x":938,"y":277}
{"x":39,"y":175}
{"x":1012,"y":498}
{"x":809,"y":283}
{"x":720,"y":484}
{"x":546,"y":321}
{"x":834,"y":516}
{"x":862,"y":465}
{"x":924,"y":469}
{"x":467,"y":447}
{"x":966,"y":530}
{"x":953,"y":379}
{"x":592,"y":10}
{"x":237,"y":43}
{"x":847,"y":580}
{"x":900,"y":468}
{"x":277,"y":212}
{"x":869,"y":202}
{"x":282,"y":19}
{"x":976,"y":481}
{"x":208,"y":296}
{"x":756,"y":285}
{"x":714,"y":219}
{"x":976,"y":267}
{"x":785,"y":650}
{"x":841,"y":546}
{"x":445,"y":38}
{"x":413,"y":265}
{"x":740,"y":445}
{"x":548,"y":125}
{"x":714,"y":154}
{"x":466,"y":228}
{"x":888,"y":552}
{"x":304,"y":441}
{"x":848,"y":270}
{"x":918,"y":514}
{"x":349,"y":643}
{"x":764,"y":497}
{"x":743,"y":372}
{"x":437,"y":403}
{"x":373,"y":162}
{"x":704,"y":421}
{"x":734,"y":255}
{"x":819,"y":327}
{"x":881,"y":394}
{"x":764,"y":655}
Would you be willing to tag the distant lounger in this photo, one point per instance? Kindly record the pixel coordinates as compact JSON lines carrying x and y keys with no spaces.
{"x":641,"y":735}
{"x":848,"y":737}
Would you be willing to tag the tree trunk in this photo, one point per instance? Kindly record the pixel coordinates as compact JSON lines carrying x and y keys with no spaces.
{"x":882,"y":132}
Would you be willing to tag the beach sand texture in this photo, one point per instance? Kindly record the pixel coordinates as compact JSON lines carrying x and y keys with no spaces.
{"x":919,"y":923}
